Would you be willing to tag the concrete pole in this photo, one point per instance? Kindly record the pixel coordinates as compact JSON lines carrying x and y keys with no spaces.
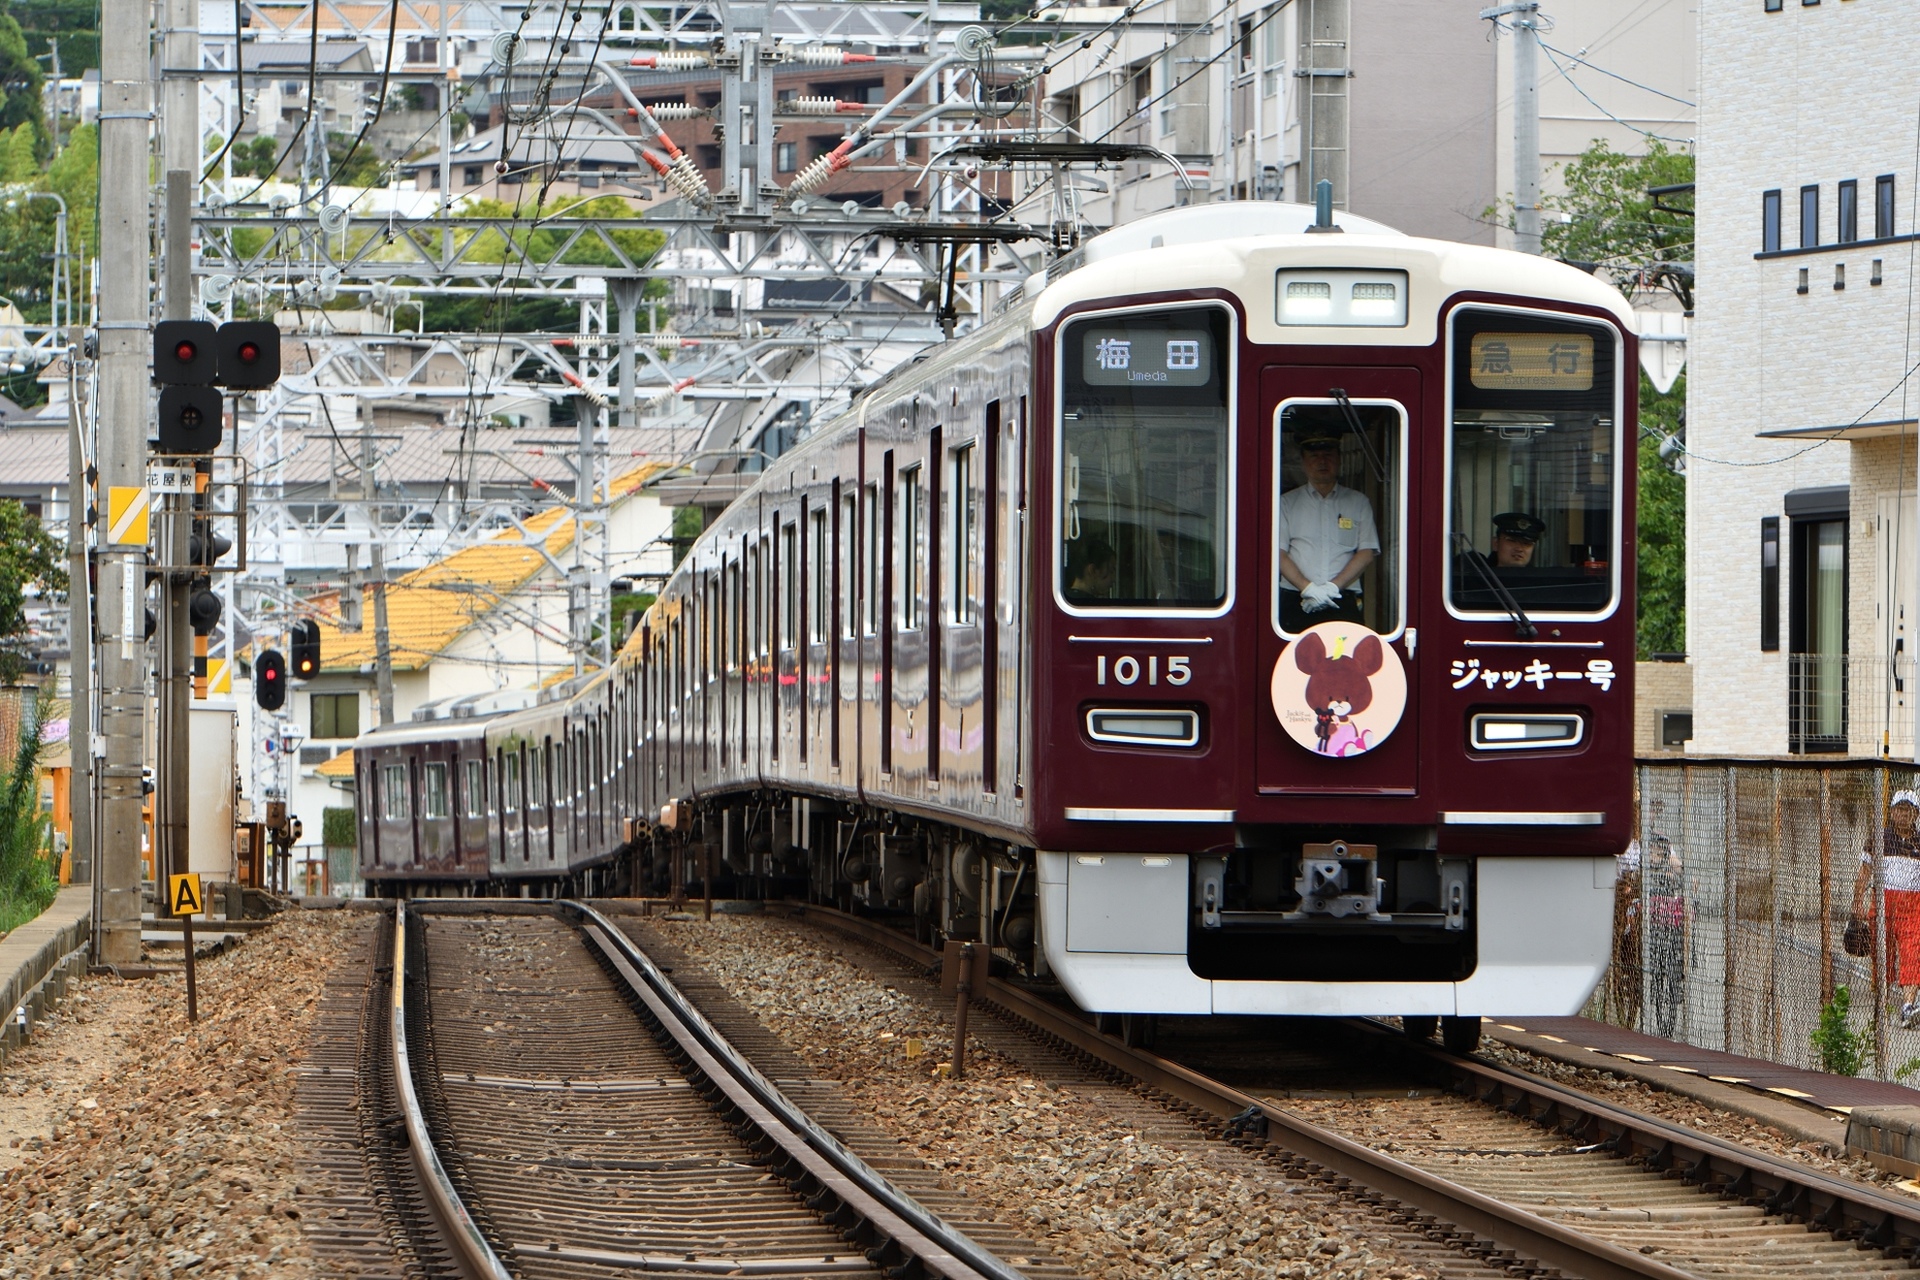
{"x":126,"y":100}
{"x":80,"y":722}
{"x":1526,"y":128}
{"x":180,"y":97}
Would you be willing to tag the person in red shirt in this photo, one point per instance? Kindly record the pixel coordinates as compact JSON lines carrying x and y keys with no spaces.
{"x":1899,"y":876}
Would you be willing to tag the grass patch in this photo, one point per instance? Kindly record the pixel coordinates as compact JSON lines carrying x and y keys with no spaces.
{"x":29,"y":870}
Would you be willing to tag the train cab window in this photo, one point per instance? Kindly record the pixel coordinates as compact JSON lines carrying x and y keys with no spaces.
{"x":1145,"y":460}
{"x":1535,"y":437}
{"x":433,"y":790}
{"x":476,"y":790}
{"x":394,"y":787}
{"x":1339,"y":535}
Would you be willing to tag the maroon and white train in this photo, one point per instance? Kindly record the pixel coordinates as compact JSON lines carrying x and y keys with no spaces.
{"x":1009,"y":645}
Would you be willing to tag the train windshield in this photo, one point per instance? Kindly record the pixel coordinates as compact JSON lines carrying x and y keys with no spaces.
{"x":1144,"y":454}
{"x":1337,"y":494}
{"x":1535,"y":443}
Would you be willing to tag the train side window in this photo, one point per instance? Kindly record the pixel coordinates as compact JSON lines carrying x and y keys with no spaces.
{"x":870,"y":549}
{"x":913,"y":548}
{"x":510,"y":784}
{"x":966,"y":537}
{"x":1534,"y":438}
{"x":787,"y":626}
{"x":1145,"y":462}
{"x":536,"y":780}
{"x":817,"y":601}
{"x":395,"y":787}
{"x":476,"y":786}
{"x":1338,"y":488}
{"x":433,"y":792}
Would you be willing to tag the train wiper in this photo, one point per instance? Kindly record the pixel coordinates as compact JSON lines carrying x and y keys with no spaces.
{"x":1522,"y":625}
{"x":1353,"y":420}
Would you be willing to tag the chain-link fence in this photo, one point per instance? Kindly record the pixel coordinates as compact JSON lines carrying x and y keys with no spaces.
{"x":1731,"y":915}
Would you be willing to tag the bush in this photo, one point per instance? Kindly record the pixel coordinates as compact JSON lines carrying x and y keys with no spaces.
{"x":337,"y":829}
{"x":1843,"y":1051}
{"x":29,"y":871}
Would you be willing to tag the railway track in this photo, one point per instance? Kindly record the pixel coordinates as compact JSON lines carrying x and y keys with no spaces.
{"x":569,"y":1114}
{"x":1561,"y":1180}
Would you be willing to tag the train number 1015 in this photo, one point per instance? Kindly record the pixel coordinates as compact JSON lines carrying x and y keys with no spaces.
{"x":1128,"y":669}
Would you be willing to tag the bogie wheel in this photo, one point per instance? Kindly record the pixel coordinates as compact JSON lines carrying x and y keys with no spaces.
{"x":1460,"y":1035}
{"x":1420,"y":1026}
{"x":1137,"y":1030}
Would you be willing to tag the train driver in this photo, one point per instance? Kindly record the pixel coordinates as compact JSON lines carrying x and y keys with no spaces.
{"x":1514,"y":534}
{"x":1327,"y":540}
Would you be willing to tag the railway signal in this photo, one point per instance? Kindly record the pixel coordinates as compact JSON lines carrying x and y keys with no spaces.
{"x":183,"y":353}
{"x":304,"y":649}
{"x":192,"y":361}
{"x":247,"y":353}
{"x":270,"y":680}
{"x":190,"y":419}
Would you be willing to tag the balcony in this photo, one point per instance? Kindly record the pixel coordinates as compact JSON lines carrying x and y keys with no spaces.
{"x":1851,"y":703}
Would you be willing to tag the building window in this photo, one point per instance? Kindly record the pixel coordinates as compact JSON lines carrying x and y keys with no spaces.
{"x":334,"y":715}
{"x":433,"y":799}
{"x":1817,"y":619}
{"x":1810,"y":216}
{"x":433,"y":179}
{"x":1848,"y":229}
{"x":1770,"y":222}
{"x":589,"y":173}
{"x":1774,"y":6}
{"x":471,"y":175}
{"x":786,"y":156}
{"x":1883,"y":207}
{"x":1770,"y":584}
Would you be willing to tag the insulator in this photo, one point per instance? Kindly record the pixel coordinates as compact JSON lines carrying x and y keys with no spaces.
{"x":818,"y":106}
{"x":816,"y":172}
{"x":823,"y":56}
{"x":671,"y":61}
{"x":688,"y":181}
{"x":672,"y":111}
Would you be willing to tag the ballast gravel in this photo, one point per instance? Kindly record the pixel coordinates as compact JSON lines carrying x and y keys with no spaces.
{"x":141,"y":1146}
{"x":1108,"y":1199}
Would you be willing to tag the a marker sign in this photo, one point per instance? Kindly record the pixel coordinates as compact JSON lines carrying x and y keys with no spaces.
{"x":184,"y":897}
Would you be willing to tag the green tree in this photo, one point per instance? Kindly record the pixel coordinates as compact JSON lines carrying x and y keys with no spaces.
{"x":75,"y":24}
{"x":29,"y":557}
{"x":18,"y":161}
{"x":29,"y":877}
{"x":1661,"y":536}
{"x":20,"y":78}
{"x":1642,"y":242}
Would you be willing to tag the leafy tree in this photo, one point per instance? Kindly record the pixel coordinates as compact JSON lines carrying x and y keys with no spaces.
{"x":1641,"y":242}
{"x":29,"y":557}
{"x":74,"y":23}
{"x":1661,"y":542}
{"x":29,"y":877}
{"x":353,"y":166}
{"x":20,"y":78}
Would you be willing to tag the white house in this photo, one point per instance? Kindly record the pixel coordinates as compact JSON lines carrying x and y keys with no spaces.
{"x":1801,"y":466}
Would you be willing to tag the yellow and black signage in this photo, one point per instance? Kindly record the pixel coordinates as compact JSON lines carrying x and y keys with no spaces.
{"x":184,"y":897}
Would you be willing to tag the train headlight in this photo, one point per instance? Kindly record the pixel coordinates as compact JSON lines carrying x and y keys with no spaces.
{"x":1144,"y":727}
{"x":1532,"y":731}
{"x":1341,"y":298}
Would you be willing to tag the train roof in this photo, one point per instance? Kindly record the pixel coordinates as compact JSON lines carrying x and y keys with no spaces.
{"x":1241,"y":245}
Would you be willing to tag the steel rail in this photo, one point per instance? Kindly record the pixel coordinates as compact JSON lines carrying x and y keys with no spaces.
{"x":810,"y":1153}
{"x":457,"y":1227}
{"x":1508,"y":1226}
{"x":1847,"y":1210}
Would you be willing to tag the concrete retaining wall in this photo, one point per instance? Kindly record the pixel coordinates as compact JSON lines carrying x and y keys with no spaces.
{"x":39,"y":959}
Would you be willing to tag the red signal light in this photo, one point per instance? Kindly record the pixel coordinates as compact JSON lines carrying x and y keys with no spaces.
{"x":249,"y":352}
{"x":184,"y":352}
{"x":271,"y":673}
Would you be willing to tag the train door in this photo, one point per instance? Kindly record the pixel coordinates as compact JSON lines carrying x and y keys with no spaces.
{"x":1339,"y":581}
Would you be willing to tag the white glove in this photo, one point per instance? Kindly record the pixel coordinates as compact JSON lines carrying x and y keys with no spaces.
{"x":1316,"y":596}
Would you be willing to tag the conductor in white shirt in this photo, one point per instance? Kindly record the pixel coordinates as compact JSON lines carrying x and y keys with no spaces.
{"x":1327,"y":540}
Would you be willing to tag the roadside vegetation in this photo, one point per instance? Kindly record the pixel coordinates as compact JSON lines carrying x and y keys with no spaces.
{"x":29,"y":872}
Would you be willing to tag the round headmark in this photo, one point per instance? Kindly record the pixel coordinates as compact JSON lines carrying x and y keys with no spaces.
{"x":1339,"y":689}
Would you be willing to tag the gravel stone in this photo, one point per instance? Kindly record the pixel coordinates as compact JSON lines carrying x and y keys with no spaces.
{"x":138,"y":1145}
{"x":1109,"y":1199}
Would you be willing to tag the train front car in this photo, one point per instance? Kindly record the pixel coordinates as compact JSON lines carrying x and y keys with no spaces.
{"x":1333,"y":650}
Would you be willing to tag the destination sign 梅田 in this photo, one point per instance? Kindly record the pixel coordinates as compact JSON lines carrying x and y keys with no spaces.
{"x":1532,"y":361}
{"x":1149,"y":357}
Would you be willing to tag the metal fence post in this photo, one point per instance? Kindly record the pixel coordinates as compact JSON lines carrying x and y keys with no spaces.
{"x":1826,"y":885}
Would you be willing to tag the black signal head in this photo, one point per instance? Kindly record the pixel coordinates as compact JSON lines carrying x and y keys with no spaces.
{"x":270,"y":680}
{"x":249,"y":354}
{"x":183,"y":353}
{"x":190,"y":419}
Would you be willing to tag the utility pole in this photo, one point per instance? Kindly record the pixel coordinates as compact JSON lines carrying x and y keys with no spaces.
{"x":382,"y":650}
{"x":80,"y":648}
{"x":173,"y":766}
{"x":126,"y":108}
{"x":1526,"y":121}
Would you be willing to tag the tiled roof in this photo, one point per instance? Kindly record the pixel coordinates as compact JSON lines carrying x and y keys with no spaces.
{"x":430,"y":607}
{"x":341,"y":766}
